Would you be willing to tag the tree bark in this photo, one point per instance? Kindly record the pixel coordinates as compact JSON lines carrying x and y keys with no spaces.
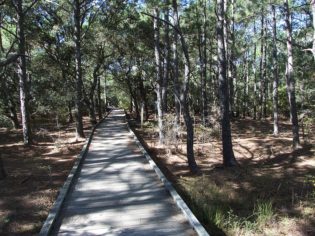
{"x":70,"y":117}
{"x":184,"y":95}
{"x":166,"y":60}
{"x":228,"y":154}
{"x":158,"y":81}
{"x":99,"y":101}
{"x":255,"y":79}
{"x":78,"y":68}
{"x":261,"y":66}
{"x":275,"y":72}
{"x":245,"y":88}
{"x":290,"y":81}
{"x":203,"y":65}
{"x":22,"y":74}
{"x":231,"y":60}
{"x":176,"y":75}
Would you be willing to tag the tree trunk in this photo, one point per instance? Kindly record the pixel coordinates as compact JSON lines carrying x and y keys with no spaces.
{"x":231,"y":63}
{"x":265,"y":81}
{"x":245,"y":87}
{"x":203,"y":66}
{"x":143,"y":95}
{"x":166,"y":60}
{"x":70,"y":117}
{"x":91,"y":102}
{"x":176,"y":76}
{"x":105,"y":95}
{"x":13,"y":114}
{"x":261,"y":66}
{"x":78,"y":68}
{"x":255,"y":79}
{"x":133,"y":99}
{"x":158,"y":75}
{"x":228,"y":154}
{"x":99,"y":101}
{"x":184,"y":96}
{"x":92,"y":114}
{"x":21,"y":71}
{"x":275,"y":73}
{"x":290,"y":81}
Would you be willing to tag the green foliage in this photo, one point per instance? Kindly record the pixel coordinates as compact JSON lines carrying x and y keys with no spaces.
{"x":5,"y":122}
{"x":263,"y":212}
{"x":283,"y":101}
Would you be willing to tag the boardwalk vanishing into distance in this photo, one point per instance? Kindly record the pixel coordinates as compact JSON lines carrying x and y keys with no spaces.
{"x":116,"y":192}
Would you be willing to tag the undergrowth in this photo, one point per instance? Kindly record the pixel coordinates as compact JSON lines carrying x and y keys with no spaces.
{"x":215,"y":204}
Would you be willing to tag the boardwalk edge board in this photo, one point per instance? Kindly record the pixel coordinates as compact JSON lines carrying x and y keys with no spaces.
{"x":55,"y":210}
{"x":193,"y":221}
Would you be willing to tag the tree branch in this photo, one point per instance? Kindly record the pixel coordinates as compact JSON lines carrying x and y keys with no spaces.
{"x":9,"y":60}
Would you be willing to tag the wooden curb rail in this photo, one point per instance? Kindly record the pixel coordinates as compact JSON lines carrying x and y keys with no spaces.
{"x":193,"y":221}
{"x":56,"y":208}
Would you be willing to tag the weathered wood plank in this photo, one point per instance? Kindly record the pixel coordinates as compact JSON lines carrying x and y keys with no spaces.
{"x":117,"y":192}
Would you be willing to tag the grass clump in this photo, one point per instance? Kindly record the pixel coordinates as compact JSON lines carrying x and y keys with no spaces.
{"x":224,"y":211}
{"x":264,"y":213}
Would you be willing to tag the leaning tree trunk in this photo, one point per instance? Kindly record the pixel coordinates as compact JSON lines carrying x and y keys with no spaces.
{"x":78,"y":68}
{"x":290,"y":82}
{"x":184,"y":95}
{"x":275,"y":73}
{"x":158,"y":75}
{"x":228,"y":154}
{"x":21,"y":71}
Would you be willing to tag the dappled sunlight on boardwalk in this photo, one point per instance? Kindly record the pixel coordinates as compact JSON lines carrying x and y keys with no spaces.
{"x":116,"y":191}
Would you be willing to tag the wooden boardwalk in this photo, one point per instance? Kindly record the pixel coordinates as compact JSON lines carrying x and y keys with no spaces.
{"x":117,"y":192}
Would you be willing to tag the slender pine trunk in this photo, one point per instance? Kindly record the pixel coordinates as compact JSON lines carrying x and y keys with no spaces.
{"x":184,"y":100}
{"x":166,"y":60}
{"x":99,"y":100}
{"x":261,"y":65}
{"x":158,"y":75}
{"x":275,"y":73}
{"x":22,"y":74}
{"x":78,"y":68}
{"x":228,"y":153}
{"x":290,"y":81}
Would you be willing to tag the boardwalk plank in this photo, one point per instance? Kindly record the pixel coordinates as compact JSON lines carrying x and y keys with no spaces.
{"x":117,"y":192}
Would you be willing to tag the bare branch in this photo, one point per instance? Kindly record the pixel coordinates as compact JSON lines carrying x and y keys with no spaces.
{"x":9,"y":31}
{"x":166,"y":22}
{"x":30,"y":7}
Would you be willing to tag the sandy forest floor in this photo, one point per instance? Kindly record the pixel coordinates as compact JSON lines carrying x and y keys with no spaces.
{"x":35,"y":175}
{"x":272,"y":192}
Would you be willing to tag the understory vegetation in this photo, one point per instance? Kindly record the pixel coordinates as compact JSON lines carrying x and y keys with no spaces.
{"x":270,"y":193}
